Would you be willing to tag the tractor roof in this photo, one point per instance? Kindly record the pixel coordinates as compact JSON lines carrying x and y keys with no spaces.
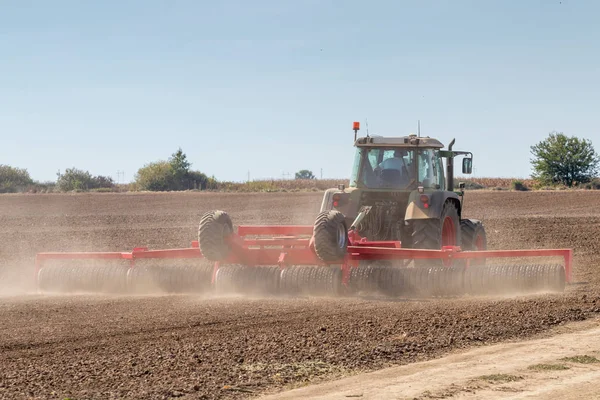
{"x":403,"y":141}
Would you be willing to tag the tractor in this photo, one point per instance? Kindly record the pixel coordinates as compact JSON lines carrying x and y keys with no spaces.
{"x":398,"y":192}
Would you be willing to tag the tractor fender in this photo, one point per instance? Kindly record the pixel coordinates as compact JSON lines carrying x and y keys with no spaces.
{"x":417,"y":210}
{"x":349,"y":205}
{"x":327,"y":203}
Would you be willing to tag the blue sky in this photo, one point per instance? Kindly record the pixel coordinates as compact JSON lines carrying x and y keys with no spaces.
{"x":272,"y":87}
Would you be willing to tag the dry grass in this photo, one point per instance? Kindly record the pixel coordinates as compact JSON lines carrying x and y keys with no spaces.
{"x":289,"y":185}
{"x":585,"y":359}
{"x":500,"y":378}
{"x":548,"y":367}
{"x":281,"y":185}
{"x":497,"y":183}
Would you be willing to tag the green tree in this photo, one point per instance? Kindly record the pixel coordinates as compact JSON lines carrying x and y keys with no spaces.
{"x":174,"y":174}
{"x":13,"y":179}
{"x":103,"y":182}
{"x":181,"y":168}
{"x":75,"y":179}
{"x":156,"y":176}
{"x":304,"y":174}
{"x":560,"y":159}
{"x":197,"y":180}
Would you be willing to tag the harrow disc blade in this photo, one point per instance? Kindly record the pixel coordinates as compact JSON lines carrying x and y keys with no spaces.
{"x":263,"y":280}
{"x":311,"y":280}
{"x":362,"y":278}
{"x":243,"y":279}
{"x":514,"y":279}
{"x":178,"y":278}
{"x":458,"y":280}
{"x":87,"y":279}
{"x":377,"y":278}
{"x":422,"y":281}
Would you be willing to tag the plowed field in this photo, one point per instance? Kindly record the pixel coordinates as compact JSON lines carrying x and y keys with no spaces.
{"x":101,"y":347}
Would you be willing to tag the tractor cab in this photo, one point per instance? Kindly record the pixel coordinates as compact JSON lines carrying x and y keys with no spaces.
{"x":404,"y":163}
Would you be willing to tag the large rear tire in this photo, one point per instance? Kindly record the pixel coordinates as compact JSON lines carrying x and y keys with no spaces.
{"x":434,"y":233}
{"x":330,"y":236}
{"x":215,"y":227}
{"x":473,"y":238}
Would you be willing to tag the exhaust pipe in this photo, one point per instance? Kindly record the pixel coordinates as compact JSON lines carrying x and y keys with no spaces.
{"x":450,"y":168}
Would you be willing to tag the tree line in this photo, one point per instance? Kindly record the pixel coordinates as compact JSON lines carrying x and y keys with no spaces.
{"x":173,"y":174}
{"x":557,"y":160}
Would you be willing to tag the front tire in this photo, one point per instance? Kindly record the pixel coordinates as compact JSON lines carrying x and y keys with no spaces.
{"x":330,"y":236}
{"x":215,"y":227}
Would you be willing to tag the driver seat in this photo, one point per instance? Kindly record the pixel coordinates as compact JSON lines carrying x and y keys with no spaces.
{"x":392,"y":176}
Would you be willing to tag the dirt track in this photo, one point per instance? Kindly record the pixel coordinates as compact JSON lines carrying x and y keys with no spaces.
{"x":561,"y":367}
{"x":186,"y":346}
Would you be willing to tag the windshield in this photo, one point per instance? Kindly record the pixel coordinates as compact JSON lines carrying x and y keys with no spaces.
{"x":395,"y":168}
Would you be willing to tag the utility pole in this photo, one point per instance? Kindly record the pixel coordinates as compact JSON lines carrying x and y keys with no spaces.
{"x":248,"y":175}
{"x":321,"y":173}
{"x":120,"y":174}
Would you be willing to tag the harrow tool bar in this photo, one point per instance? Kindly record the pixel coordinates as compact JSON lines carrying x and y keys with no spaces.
{"x":289,"y":255}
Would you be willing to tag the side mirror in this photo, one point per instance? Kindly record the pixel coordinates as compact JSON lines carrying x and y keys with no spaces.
{"x":467,"y":166}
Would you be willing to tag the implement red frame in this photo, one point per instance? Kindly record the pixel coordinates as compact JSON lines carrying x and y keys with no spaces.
{"x":290,"y":249}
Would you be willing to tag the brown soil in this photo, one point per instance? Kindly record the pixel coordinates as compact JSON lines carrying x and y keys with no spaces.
{"x":193,"y":347}
{"x":564,"y":366}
